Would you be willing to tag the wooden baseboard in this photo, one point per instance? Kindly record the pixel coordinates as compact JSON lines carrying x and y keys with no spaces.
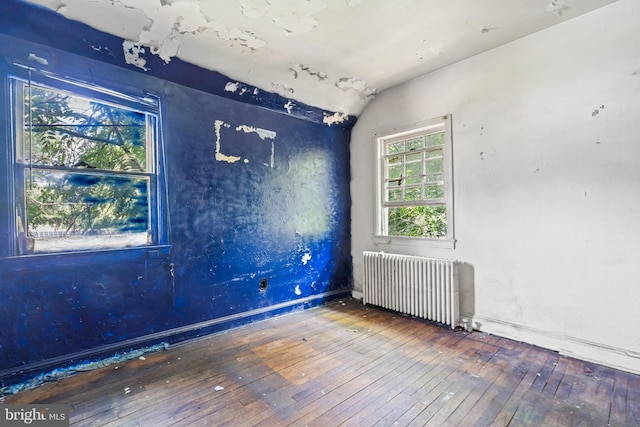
{"x":615,"y":357}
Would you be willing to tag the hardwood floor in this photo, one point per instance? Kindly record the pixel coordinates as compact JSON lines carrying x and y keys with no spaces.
{"x":353,"y":365}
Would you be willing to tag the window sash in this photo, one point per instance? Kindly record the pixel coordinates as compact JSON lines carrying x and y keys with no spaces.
{"x":399,"y":179}
{"x":144,"y":227}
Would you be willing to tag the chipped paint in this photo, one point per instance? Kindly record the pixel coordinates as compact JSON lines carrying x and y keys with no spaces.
{"x":232,"y":86}
{"x":357,"y":85}
{"x":334,"y":118}
{"x":220,"y":156}
{"x":262,"y":133}
{"x":556,"y":6}
{"x":298,"y":291}
{"x":34,"y":58}
{"x":134,"y":54}
{"x":289,"y":106}
{"x":60,"y":373}
{"x":248,"y":39}
{"x":282,"y":89}
{"x":240,"y":88}
{"x":237,"y":36}
{"x":169,"y":22}
{"x":306,"y":258}
{"x":291,"y":15}
{"x":301,"y":68}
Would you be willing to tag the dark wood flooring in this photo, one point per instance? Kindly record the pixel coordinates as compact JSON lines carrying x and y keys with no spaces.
{"x":353,"y":365}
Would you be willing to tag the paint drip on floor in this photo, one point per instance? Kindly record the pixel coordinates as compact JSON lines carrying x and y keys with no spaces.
{"x":58,"y":374}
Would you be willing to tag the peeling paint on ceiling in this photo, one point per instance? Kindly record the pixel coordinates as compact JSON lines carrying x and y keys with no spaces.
{"x":332,"y":54}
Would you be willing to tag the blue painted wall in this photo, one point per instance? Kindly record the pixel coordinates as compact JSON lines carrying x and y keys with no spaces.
{"x":279,"y":214}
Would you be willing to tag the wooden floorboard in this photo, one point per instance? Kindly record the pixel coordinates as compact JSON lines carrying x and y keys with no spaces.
{"x":345,"y":364}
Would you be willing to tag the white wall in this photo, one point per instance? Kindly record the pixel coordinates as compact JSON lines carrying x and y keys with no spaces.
{"x":546,"y":135}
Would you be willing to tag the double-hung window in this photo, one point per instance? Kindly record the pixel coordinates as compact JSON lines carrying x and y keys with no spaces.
{"x":415,"y":197}
{"x":84,"y":166}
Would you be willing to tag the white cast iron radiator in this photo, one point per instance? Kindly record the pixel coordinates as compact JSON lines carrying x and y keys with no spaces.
{"x":421,"y":287}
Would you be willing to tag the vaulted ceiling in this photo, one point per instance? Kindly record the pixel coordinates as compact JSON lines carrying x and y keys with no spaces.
{"x":332,"y":54}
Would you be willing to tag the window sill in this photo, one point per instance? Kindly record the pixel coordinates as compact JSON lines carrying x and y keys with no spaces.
{"x":414,"y":241}
{"x":150,"y":251}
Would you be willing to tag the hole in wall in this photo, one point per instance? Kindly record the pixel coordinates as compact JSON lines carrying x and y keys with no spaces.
{"x":263,"y":285}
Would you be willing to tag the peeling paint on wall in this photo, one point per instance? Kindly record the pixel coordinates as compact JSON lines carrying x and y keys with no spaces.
{"x":240,"y":88}
{"x":220,"y":156}
{"x":169,"y":21}
{"x":34,"y":58}
{"x":235,"y":35}
{"x":232,"y":86}
{"x":300,"y":68}
{"x":134,"y":54}
{"x":282,"y":89}
{"x":334,"y":118}
{"x":358,"y":85}
{"x":306,"y":258}
{"x":289,"y":106}
{"x":291,"y":15}
{"x":262,"y":133}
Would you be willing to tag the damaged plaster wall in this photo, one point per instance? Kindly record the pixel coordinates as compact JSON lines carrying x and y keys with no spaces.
{"x":256,"y":211}
{"x":546,"y":161}
{"x":331,"y":54}
{"x":184,"y":28}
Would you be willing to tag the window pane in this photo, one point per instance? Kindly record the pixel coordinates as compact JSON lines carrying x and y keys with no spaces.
{"x":434,"y":165}
{"x":434,"y":154}
{"x":416,"y":157}
{"x":415,"y":143}
{"x":413,"y":180}
{"x":434,"y":178}
{"x":413,"y":169}
{"x":394,"y":194}
{"x":66,"y":130}
{"x":394,"y":148}
{"x":419,"y":221}
{"x":434,"y":191}
{"x":435,"y":139}
{"x":414,"y":193}
{"x":395,"y":172}
{"x":76,"y":211}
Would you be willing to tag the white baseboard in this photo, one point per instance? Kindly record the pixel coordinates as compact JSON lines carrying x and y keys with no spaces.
{"x":615,"y":357}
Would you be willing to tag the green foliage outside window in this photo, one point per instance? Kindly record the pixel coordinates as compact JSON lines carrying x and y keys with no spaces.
{"x":418,"y":221}
{"x":84,"y":164}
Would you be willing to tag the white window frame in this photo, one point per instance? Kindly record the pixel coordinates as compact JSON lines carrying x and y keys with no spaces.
{"x":381,"y":237}
{"x":149,"y":105}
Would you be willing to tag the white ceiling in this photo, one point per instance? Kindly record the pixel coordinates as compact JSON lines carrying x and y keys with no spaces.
{"x":331,"y":54}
